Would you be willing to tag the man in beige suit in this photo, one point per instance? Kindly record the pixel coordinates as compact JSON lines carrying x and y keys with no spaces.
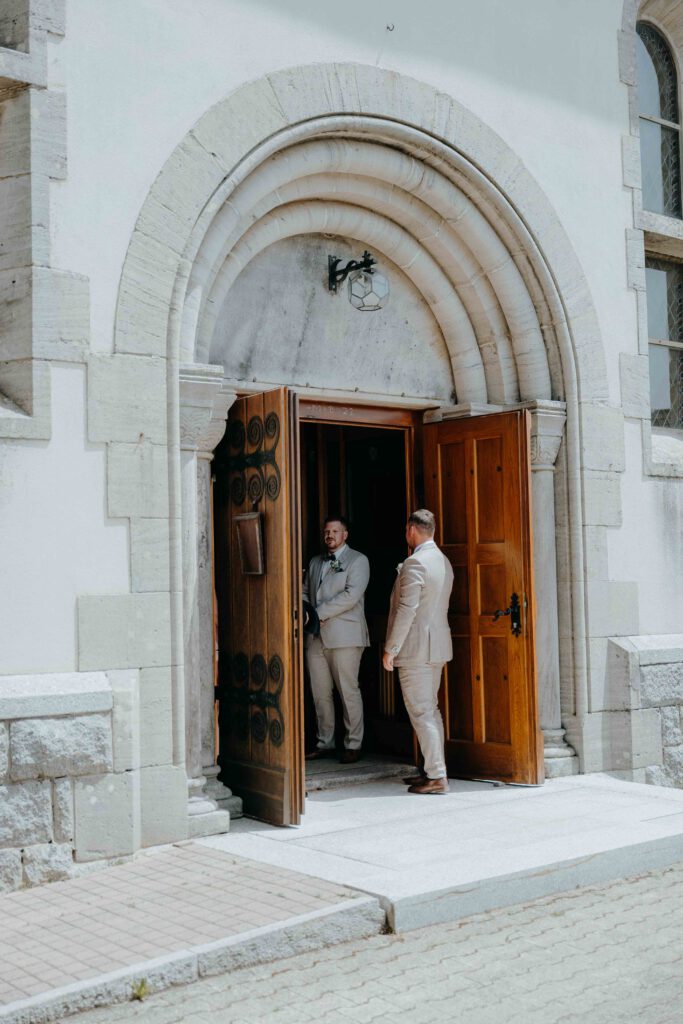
{"x":419,"y":643}
{"x":335,"y":587}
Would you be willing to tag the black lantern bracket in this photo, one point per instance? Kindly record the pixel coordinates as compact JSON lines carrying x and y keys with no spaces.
{"x":336,"y":275}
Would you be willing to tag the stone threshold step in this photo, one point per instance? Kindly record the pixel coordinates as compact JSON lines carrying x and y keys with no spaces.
{"x":336,"y":776}
{"x":341,"y":922}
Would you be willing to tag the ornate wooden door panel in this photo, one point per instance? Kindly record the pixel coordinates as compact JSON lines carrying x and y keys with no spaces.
{"x":476,"y":474}
{"x":259,"y":660}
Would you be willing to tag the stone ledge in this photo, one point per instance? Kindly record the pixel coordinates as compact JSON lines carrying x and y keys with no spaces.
{"x":663,"y":453}
{"x":64,"y":693}
{"x":19,"y":68}
{"x":629,"y":669}
{"x":659,"y":649}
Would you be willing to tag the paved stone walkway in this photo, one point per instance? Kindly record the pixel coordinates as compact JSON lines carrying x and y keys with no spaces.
{"x":162,"y":903}
{"x":608,"y":954}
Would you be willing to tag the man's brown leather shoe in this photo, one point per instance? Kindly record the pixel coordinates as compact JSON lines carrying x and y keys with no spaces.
{"x":413,"y":780}
{"x":434,"y":787}
{"x":350,"y":757}
{"x":320,"y":752}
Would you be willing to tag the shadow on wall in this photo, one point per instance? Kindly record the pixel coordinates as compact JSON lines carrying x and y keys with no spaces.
{"x":566,"y":52}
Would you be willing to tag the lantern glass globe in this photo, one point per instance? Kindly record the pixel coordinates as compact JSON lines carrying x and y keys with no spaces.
{"x":367,"y":292}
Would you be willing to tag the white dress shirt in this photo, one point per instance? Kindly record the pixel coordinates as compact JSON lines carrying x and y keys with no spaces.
{"x":422,"y":545}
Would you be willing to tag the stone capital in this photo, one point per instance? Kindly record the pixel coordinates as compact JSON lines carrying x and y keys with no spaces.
{"x":204,"y":405}
{"x":547,"y":429}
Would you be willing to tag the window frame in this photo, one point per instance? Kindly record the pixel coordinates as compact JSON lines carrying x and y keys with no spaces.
{"x":655,"y":235}
{"x":672,"y":126}
{"x":667,"y":343}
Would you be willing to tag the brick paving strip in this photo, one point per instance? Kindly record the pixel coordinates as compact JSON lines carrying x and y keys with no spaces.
{"x":168,"y":917}
{"x":605,"y":954}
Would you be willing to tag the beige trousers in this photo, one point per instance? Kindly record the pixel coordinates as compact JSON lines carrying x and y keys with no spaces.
{"x":420,"y":688}
{"x":330,"y":667}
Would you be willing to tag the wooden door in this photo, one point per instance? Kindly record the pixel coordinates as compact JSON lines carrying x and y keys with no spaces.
{"x":477,"y":481}
{"x":259,"y":657}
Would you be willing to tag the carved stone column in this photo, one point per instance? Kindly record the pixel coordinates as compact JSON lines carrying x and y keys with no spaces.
{"x":204,"y":404}
{"x":547,"y":427}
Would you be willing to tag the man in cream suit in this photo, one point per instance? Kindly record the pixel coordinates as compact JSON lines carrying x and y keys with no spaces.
{"x":335,"y":586}
{"x":419,"y":643}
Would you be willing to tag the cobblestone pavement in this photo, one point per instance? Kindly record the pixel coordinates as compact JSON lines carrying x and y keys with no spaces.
{"x":599,"y":955}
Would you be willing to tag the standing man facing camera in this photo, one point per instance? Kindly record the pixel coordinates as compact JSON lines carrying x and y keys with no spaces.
{"x":419,"y":643}
{"x":335,"y":587}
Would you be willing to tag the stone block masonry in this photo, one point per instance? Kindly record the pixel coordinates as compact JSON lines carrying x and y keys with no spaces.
{"x":4,"y":752}
{"x":63,"y":795}
{"x":648,"y":672}
{"x":56,"y":747}
{"x":44,"y":312}
{"x":41,"y":752}
{"x":25,"y":814}
{"x":662,"y":685}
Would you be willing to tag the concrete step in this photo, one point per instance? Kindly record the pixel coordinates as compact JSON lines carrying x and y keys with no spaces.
{"x":429,"y":860}
{"x":330,"y":774}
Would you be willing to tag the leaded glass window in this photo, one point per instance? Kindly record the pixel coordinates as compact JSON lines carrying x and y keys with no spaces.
{"x":665,"y":328}
{"x":660,"y":137}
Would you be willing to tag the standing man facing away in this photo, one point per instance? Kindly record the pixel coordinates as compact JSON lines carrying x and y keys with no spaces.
{"x":335,"y":586}
{"x":419,"y":643}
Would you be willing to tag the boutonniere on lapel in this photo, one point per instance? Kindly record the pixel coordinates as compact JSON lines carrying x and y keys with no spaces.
{"x":399,"y":567}
{"x":335,"y":565}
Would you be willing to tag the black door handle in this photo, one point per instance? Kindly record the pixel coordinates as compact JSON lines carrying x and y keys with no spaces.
{"x":515,"y":613}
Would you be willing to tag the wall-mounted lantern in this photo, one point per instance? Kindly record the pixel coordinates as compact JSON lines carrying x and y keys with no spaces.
{"x":367,"y":289}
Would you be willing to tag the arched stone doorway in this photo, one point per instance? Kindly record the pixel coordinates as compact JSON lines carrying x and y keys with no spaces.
{"x":383,"y":162}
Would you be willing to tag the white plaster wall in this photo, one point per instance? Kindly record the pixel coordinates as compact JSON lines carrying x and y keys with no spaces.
{"x":542,"y":73}
{"x":649,"y":546}
{"x":57,"y":541}
{"x":280,"y":323}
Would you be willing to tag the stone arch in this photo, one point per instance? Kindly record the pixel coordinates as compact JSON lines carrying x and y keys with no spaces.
{"x":438,"y":231}
{"x":458,"y":151}
{"x":513,"y":303}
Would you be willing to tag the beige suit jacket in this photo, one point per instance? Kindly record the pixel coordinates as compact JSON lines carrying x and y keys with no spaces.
{"x":339,"y":598}
{"x":418,"y":632}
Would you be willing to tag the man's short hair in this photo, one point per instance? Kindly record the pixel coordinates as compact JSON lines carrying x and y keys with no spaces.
{"x":423,"y":519}
{"x":337,"y":519}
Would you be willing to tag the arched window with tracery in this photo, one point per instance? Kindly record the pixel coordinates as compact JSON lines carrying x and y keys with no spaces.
{"x":660,"y":136}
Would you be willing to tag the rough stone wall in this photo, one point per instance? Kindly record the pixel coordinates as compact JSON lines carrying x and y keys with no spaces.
{"x":642,"y":732}
{"x":661,"y":686}
{"x":43,"y":760}
{"x":76,"y":784}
